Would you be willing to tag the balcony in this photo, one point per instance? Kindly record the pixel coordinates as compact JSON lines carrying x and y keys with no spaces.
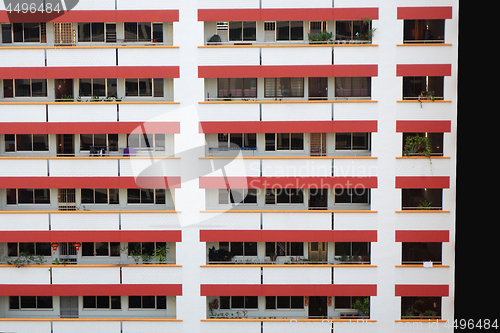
{"x":284,"y":30}
{"x":288,"y":253}
{"x":275,"y":309}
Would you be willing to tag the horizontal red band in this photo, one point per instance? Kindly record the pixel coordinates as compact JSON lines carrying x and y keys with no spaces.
{"x":288,"y":235}
{"x":89,"y":72}
{"x":91,"y":290}
{"x":414,"y":236}
{"x":90,"y":128}
{"x":171,"y":15}
{"x":419,"y":126}
{"x":336,"y":126}
{"x":424,"y":70}
{"x":288,"y":290}
{"x":90,"y":182}
{"x":288,"y":71}
{"x":423,"y":182}
{"x":92,"y":236}
{"x":287,"y":14}
{"x":422,"y":290}
{"x":424,"y":13}
{"x":288,"y":182}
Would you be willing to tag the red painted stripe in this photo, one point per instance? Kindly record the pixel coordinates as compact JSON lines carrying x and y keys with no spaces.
{"x":287,"y":14}
{"x":90,"y":182}
{"x":424,"y":13}
{"x":91,"y":290}
{"x":171,"y":15}
{"x":418,"y":126}
{"x":424,"y":290}
{"x":423,"y":182}
{"x":119,"y":72}
{"x":288,"y":182}
{"x":424,"y":70}
{"x":288,"y":71}
{"x":288,"y":290}
{"x":337,"y":126}
{"x":92,"y":236}
{"x":423,"y":236}
{"x":288,"y":235}
{"x":90,"y":128}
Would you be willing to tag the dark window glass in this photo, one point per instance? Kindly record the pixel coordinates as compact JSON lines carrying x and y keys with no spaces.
{"x":158,"y":32}
{"x":28,"y":302}
{"x":158,"y":88}
{"x":114,"y":249}
{"x":103,"y":302}
{"x":270,"y":302}
{"x":6,"y":33}
{"x":225,"y":302}
{"x":25,"y":196}
{"x":32,"y":32}
{"x":113,"y":142}
{"x":251,"y":302}
{"x":133,"y":195}
{"x":423,"y":31}
{"x":98,"y":33}
{"x":131,"y":87}
{"x":249,"y":30}
{"x":360,"y":141}
{"x":270,"y":249}
{"x":270,"y":197}
{"x":43,"y":249}
{"x":342,"y":302}
{"x":296,"y":30}
{"x":99,"y":87}
{"x":161,"y":302}
{"x":297,"y":302}
{"x":283,"y":302}
{"x":112,"y":87}
{"x":101,"y":196}
{"x":237,"y":248}
{"x":297,"y":249}
{"x":40,"y":142}
{"x":145,"y":87}
{"x":87,"y":249}
{"x":39,"y":88}
{"x":110,"y":32}
{"x":144,"y":31}
{"x":342,"y":141}
{"x":87,"y":196}
{"x":44,"y":302}
{"x":283,"y":141}
{"x":296,"y":196}
{"x":282,"y":30}
{"x":147,"y":195}
{"x":23,"y":88}
{"x":116,"y":302}
{"x":148,"y":302}
{"x":27,"y":248}
{"x":11,"y":196}
{"x":114,"y":197}
{"x":85,"y":88}
{"x":342,"y":248}
{"x":237,"y":302}
{"x":130,"y":31}
{"x":42,"y":196}
{"x":419,"y":252}
{"x":235,"y":31}
{"x":134,"y":302}
{"x":250,"y":248}
{"x":17,"y":29}
{"x":102,"y":248}
{"x":8,"y":88}
{"x":84,"y":32}
{"x":270,"y":141}
{"x":13,"y":302}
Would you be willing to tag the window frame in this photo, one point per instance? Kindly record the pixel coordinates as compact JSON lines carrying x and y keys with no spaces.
{"x":243,"y":82}
{"x":42,"y":33}
{"x":226,"y":194}
{"x":36,"y":308}
{"x":155,"y":197}
{"x":96,"y":308}
{"x":142,"y":308}
{"x":18,"y":250}
{"x":271,"y":192}
{"x":283,"y":308}
{"x":94,"y":252}
{"x":107,"y":83}
{"x":277,"y":139}
{"x":14,"y":85}
{"x":141,"y":139}
{"x":245,"y":139}
{"x":282,"y":87}
{"x":289,"y":39}
{"x":351,"y":193}
{"x":352,"y":137}
{"x":242,"y":31}
{"x":16,"y":150}
{"x":108,"y":196}
{"x":288,"y":248}
{"x":244,"y":246}
{"x":238,"y":308}
{"x":154,"y":82}
{"x":34,"y":191}
{"x":108,"y":145}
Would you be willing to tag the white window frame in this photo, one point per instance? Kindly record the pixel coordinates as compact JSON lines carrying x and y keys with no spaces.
{"x":93,"y":195}
{"x":153,"y":147}
{"x":148,"y":309}
{"x":34,"y":196}
{"x":42,"y":26}
{"x":26,"y":151}
{"x":31,"y":309}
{"x":109,"y":251}
{"x":99,"y":309}
{"x":148,"y":203}
{"x":226,"y":196}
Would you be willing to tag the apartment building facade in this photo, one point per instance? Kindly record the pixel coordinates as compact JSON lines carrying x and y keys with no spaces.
{"x":219,"y":165}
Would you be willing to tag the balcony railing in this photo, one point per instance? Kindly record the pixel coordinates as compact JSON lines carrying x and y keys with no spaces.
{"x":286,"y":99}
{"x":292,"y":43}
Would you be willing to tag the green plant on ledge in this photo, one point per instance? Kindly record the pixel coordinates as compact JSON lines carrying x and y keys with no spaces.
{"x":25,"y":259}
{"x":321,"y":37}
{"x":426,"y":205}
{"x":424,"y":95}
{"x":362,"y":305}
{"x":417,"y":145}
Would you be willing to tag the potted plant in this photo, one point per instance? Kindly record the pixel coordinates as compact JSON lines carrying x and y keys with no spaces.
{"x":321,"y":38}
{"x":426,"y":95}
{"x":417,"y":145}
